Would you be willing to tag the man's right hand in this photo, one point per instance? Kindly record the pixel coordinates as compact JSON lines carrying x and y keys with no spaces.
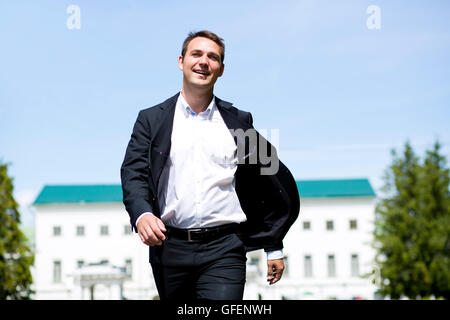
{"x":150,"y":229}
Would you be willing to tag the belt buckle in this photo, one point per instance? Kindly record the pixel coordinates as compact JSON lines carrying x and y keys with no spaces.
{"x":189,"y":234}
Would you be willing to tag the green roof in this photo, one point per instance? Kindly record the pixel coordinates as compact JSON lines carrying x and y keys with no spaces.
{"x":113,"y":193}
{"x":337,"y":188}
{"x":79,"y":194}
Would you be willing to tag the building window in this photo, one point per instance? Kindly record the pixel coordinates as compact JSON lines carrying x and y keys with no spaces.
{"x":353,"y":225}
{"x":355,"y":265}
{"x":128,"y":268}
{"x":80,"y":263}
{"x":331,"y":266}
{"x":104,"y":231}
{"x":127,"y":229}
{"x":253,"y":265}
{"x":308,"y":266}
{"x":330,"y":225}
{"x":80,"y":230}
{"x":306,"y":225}
{"x":56,"y":231}
{"x":56,"y":271}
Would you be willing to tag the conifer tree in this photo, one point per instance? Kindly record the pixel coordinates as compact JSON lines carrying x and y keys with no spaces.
{"x":434,"y":242}
{"x":15,"y":256}
{"x":412,"y":227}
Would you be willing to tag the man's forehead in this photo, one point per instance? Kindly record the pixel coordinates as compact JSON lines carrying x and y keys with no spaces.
{"x":203,"y":44}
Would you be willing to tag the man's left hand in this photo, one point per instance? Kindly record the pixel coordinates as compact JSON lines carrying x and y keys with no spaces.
{"x":275,"y":270}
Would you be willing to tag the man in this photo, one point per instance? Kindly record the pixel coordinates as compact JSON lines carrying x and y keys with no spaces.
{"x":195,"y":191}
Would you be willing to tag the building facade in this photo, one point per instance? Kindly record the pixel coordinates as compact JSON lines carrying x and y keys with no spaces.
{"x":83,"y":238}
{"x":85,"y":248}
{"x":328,"y":250}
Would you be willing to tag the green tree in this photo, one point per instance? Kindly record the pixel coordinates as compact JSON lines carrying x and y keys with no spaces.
{"x":412,"y":227}
{"x":435,"y":223}
{"x":15,"y":257}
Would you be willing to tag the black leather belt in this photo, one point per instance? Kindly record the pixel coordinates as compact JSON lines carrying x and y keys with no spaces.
{"x":203,"y":234}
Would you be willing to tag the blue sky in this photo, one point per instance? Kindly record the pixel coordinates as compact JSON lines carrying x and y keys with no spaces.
{"x":341,"y":95}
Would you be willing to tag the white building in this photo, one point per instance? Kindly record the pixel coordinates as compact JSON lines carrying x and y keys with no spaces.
{"x":85,"y":248}
{"x":82,"y":237}
{"x":328,"y":249}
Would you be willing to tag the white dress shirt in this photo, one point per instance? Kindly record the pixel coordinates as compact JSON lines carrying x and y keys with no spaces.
{"x":197,"y":185}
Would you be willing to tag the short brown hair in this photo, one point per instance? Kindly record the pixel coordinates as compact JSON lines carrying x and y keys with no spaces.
{"x":205,"y":34}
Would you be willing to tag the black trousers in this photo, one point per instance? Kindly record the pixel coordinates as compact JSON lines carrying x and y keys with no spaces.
{"x":213,"y":270}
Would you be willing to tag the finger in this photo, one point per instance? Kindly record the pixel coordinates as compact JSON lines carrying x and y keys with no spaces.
{"x":275,"y":271}
{"x":152,"y":243}
{"x":161,"y":225}
{"x":270,"y":268}
{"x":157,"y":231}
{"x":278,"y":275}
{"x":142,"y":234}
{"x":272,"y":278}
{"x":141,"y":229}
{"x":142,"y":238}
{"x":151,"y":238}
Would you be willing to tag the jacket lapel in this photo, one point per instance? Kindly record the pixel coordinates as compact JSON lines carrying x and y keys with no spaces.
{"x":230,"y":116}
{"x":232,"y":120}
{"x":161,"y":141}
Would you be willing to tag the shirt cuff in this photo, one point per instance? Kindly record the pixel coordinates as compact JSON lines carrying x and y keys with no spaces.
{"x":274,"y":255}
{"x":144,"y":214}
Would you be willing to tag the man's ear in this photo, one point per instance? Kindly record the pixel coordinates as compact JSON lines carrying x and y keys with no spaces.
{"x":222,"y":67}
{"x":180,"y":63}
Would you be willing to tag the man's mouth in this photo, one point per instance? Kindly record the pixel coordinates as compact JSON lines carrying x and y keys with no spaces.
{"x":203,"y":73}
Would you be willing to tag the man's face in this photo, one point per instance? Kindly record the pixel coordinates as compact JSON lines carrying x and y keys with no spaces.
{"x":201,"y":64}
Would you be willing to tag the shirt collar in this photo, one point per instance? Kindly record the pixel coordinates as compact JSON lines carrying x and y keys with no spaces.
{"x":188,"y":112}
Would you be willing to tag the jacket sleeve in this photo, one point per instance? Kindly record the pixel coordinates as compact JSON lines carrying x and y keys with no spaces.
{"x":270,"y":201}
{"x":135,"y":171}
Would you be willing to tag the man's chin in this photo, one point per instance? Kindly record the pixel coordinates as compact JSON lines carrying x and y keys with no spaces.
{"x":202,"y":84}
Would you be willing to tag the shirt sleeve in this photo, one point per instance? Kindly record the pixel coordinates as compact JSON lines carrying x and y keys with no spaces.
{"x":274,"y":255}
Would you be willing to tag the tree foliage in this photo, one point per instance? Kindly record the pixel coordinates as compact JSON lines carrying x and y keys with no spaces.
{"x":412,"y":227}
{"x":15,"y":256}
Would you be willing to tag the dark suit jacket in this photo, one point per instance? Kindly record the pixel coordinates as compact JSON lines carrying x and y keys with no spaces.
{"x":270,"y":202}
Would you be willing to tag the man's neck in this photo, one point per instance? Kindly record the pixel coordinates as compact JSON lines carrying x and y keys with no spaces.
{"x":196,"y":99}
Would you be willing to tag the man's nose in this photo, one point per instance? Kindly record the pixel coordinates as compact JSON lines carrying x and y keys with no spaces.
{"x":203,"y":60}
